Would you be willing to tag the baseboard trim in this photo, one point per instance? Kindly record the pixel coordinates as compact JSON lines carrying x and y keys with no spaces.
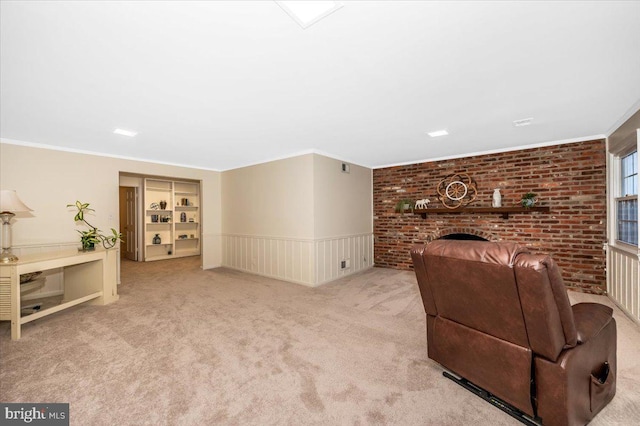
{"x":274,"y":277}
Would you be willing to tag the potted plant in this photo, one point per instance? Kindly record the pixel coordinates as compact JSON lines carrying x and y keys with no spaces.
{"x":93,"y":236}
{"x":528,"y":199}
{"x":404,"y":205}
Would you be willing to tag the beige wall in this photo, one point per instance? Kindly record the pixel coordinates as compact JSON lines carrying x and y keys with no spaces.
{"x":296,"y":219}
{"x":342,"y":201}
{"x":272,"y":199}
{"x":47,"y":180}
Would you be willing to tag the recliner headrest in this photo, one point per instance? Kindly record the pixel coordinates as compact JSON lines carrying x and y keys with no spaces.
{"x":503,"y":253}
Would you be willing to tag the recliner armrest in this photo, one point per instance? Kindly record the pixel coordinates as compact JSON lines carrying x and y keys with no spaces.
{"x":590,"y":318}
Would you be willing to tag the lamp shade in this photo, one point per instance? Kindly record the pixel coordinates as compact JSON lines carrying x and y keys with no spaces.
{"x":9,"y":202}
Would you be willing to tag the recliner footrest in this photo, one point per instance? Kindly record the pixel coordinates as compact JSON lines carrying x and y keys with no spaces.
{"x":492,"y":399}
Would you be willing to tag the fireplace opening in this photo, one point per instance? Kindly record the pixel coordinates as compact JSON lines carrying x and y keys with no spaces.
{"x":460,"y":236}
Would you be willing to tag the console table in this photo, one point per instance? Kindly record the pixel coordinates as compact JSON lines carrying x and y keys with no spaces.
{"x":87,"y":276}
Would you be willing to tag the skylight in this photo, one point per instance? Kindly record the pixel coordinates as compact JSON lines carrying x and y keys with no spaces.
{"x":307,"y":13}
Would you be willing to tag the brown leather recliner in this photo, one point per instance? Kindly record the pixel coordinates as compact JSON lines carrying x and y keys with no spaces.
{"x":500,"y":318}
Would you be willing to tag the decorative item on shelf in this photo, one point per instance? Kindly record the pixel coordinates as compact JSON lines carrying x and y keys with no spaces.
{"x":157,"y":239}
{"x":457,"y":190}
{"x":422,"y":204}
{"x":191,"y":220}
{"x":165,"y":219}
{"x":31,"y":282}
{"x":25,"y":278}
{"x":154,"y":206}
{"x":529,"y":200}
{"x":404,"y":205}
{"x":154,"y":218}
{"x":163,"y":205}
{"x":497,"y":198}
{"x":185,"y":201}
{"x":183,"y":217}
{"x":182,"y":237}
{"x":10,"y":204}
{"x":192,"y":236}
{"x":93,"y":236}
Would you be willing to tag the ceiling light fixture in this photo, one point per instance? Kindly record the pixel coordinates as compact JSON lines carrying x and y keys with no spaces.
{"x":523,"y":122}
{"x":438,"y":133}
{"x":307,"y":13}
{"x":123,"y":132}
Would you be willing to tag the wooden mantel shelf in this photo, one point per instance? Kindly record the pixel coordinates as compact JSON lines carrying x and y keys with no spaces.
{"x":503,"y":211}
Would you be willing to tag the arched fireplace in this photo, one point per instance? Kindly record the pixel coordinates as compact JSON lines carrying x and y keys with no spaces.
{"x":462,"y":234}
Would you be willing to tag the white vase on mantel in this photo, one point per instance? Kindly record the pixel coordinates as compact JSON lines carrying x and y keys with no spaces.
{"x":497,"y":198}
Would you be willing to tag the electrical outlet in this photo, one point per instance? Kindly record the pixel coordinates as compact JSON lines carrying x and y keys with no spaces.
{"x":343,"y":264}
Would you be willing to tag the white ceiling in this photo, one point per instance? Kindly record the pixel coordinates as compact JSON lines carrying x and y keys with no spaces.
{"x":219,"y":85}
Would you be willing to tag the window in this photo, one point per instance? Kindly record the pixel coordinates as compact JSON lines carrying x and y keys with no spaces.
{"x":627,"y":201}
{"x":629,"y":167}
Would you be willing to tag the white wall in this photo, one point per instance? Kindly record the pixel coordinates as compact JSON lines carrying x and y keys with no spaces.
{"x":47,"y":180}
{"x":296,"y":219}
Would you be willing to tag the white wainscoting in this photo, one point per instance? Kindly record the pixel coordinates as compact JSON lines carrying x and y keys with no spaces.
{"x":281,"y":258}
{"x":330,"y":252}
{"x":624,"y":281}
{"x":43,"y":248}
{"x":54,"y":283}
{"x":303,"y":261}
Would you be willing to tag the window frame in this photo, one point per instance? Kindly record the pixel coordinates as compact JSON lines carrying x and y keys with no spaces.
{"x":618,"y":196}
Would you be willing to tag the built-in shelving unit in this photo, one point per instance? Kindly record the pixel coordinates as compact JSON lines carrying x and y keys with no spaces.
{"x":177,"y":225}
{"x":187,"y":223}
{"x":503,"y":211}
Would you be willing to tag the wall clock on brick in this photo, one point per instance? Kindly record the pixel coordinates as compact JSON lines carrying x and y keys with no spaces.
{"x":457,"y":190}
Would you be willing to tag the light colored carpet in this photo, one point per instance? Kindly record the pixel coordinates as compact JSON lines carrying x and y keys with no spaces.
{"x":184,"y":346}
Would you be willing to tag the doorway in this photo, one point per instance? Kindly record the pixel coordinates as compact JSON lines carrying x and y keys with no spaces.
{"x":128,"y":222}
{"x":136,"y":213}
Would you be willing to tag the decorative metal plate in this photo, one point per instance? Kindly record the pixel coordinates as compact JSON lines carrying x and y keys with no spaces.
{"x":457,"y":190}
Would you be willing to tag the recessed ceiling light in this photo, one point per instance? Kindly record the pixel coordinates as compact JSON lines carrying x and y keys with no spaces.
{"x":438,"y":133}
{"x":123,"y":132}
{"x":523,"y":122}
{"x":307,"y":13}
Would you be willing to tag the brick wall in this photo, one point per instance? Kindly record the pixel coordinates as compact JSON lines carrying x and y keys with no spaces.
{"x":569,"y":178}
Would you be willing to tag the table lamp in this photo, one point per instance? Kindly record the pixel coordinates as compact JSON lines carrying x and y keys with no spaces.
{"x":9,"y":205}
